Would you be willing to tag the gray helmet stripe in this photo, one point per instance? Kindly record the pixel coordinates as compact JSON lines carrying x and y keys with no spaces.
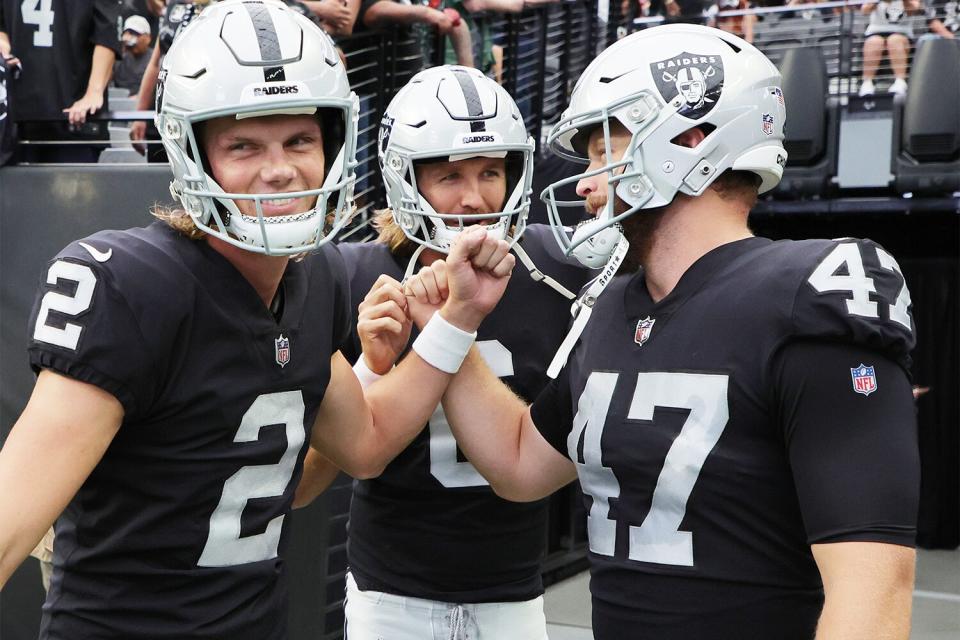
{"x":472,"y":98}
{"x":267,"y":39}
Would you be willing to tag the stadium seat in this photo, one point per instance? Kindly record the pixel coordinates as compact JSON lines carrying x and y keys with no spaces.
{"x":926,"y":135}
{"x":811,"y":129}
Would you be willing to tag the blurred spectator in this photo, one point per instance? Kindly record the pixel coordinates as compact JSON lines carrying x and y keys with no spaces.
{"x":383,"y":14}
{"x":810,"y":14}
{"x":6,"y":122}
{"x":486,"y":56}
{"x":67,"y":49}
{"x":684,"y":11}
{"x":149,"y":9}
{"x":738,"y":25}
{"x":176,"y":15}
{"x":128,"y":71}
{"x":942,"y":21}
{"x":890,"y":29}
{"x":337,"y":17}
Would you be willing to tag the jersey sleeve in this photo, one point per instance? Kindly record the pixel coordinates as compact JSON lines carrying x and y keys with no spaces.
{"x":105,"y":18}
{"x":849,"y":425}
{"x":854,"y":291}
{"x":83,"y":327}
{"x":552,"y":412}
{"x":342,"y":312}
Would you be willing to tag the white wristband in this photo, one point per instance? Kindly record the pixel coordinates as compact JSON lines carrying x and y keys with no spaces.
{"x":443,"y":345}
{"x":364,"y":374}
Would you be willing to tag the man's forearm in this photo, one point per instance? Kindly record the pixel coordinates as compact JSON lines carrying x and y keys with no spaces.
{"x":4,"y":44}
{"x":485,"y":417}
{"x":383,"y":14}
{"x":868,"y":590}
{"x":101,"y":71}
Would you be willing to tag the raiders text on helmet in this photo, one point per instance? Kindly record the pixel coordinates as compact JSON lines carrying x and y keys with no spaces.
{"x":244,"y":59}
{"x":659,"y":83}
{"x":453,"y":113}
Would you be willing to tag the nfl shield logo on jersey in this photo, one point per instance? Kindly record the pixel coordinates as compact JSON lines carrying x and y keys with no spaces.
{"x":864,"y":379}
{"x":644,"y":327}
{"x":282,"y":346}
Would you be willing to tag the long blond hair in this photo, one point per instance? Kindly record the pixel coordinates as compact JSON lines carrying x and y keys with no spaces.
{"x":177,"y":219}
{"x":390,"y":234}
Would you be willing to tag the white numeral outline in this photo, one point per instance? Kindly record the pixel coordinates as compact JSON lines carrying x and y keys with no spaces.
{"x":658,"y":539}
{"x":860,"y":284}
{"x":900,"y":311}
{"x":69,"y":336}
{"x":225,"y":547}
{"x":823,"y":279}
{"x":39,"y":13}
{"x":444,"y":466}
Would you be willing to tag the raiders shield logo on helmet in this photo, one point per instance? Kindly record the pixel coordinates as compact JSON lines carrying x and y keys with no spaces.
{"x":690,"y":82}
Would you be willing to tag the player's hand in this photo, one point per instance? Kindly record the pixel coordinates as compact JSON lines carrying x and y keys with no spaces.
{"x":440,"y":20}
{"x":138,"y":133}
{"x":11,"y":60}
{"x":427,"y":291}
{"x":89,"y":104}
{"x":478,"y":269}
{"x":383,"y":324}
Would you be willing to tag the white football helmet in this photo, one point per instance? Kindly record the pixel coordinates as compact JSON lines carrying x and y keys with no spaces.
{"x":453,"y":113}
{"x":250,"y":58}
{"x":658,"y":83}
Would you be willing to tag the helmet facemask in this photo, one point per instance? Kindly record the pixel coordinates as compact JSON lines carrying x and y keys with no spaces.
{"x":424,"y":225}
{"x":215,"y":211}
{"x":624,"y":175}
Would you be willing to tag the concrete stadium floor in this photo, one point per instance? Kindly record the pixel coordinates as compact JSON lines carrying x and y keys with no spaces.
{"x":936,"y":601}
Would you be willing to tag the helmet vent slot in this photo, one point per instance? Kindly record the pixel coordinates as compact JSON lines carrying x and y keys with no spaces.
{"x":735,"y":48}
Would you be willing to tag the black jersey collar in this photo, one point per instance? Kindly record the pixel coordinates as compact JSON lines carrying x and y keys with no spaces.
{"x":713,"y":264}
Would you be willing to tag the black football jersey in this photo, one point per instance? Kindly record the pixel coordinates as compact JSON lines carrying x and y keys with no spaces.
{"x":704,"y":491}
{"x":430,"y":526}
{"x":54,"y":40}
{"x":179,"y":531}
{"x":176,"y":16}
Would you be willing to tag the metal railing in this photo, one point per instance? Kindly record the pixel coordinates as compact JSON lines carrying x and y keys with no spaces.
{"x":835,"y":28}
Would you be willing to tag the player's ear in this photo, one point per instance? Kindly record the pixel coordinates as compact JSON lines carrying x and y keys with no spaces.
{"x":690,"y":138}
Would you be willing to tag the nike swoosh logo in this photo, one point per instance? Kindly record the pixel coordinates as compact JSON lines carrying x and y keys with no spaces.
{"x":99,"y":256}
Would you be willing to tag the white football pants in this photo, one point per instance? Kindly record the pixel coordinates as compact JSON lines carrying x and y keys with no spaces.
{"x":373,"y":615}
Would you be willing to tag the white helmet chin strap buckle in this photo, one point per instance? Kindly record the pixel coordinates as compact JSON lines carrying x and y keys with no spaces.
{"x":583,"y":307}
{"x":594,"y":247}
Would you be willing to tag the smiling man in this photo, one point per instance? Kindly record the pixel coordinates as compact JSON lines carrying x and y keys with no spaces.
{"x":182,"y":367}
{"x":433,"y":552}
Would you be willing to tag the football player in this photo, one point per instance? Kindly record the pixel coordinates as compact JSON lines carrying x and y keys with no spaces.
{"x":432,"y":551}
{"x":182,"y":367}
{"x":739,"y":411}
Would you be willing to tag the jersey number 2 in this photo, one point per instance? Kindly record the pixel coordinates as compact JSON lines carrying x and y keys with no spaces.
{"x":40,"y":13}
{"x":658,"y":538}
{"x":225,"y":547}
{"x":444,"y":465}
